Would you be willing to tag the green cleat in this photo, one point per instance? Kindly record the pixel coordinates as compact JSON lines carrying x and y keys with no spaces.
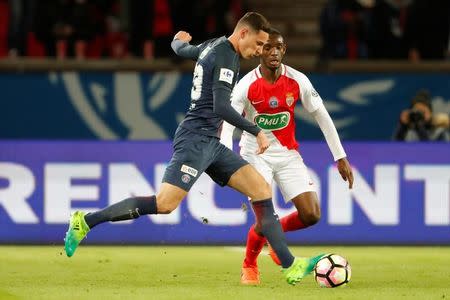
{"x":301,"y":267}
{"x":78,"y":230}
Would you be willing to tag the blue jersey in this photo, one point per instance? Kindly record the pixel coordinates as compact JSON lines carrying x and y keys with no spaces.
{"x":217,"y":67}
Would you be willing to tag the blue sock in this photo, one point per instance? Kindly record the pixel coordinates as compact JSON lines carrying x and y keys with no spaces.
{"x":268,"y":224}
{"x":127,"y":209}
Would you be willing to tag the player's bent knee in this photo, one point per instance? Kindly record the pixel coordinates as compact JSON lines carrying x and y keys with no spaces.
{"x":165,"y":208}
{"x":165,"y":205}
{"x":257,"y":228}
{"x":310,"y":218}
{"x":249,"y":182}
{"x":168,"y":198}
{"x":264,"y":190}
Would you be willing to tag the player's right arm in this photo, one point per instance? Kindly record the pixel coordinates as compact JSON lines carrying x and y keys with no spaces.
{"x":181,"y":46}
{"x":313,"y":103}
{"x":238,"y":102}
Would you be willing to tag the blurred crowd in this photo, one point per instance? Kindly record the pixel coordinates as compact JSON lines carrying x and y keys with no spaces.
{"x":350,"y":29}
{"x":109,"y":28}
{"x":385,"y":29}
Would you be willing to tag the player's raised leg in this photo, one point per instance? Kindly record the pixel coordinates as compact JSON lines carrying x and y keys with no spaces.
{"x":187,"y":164}
{"x":307,"y":214}
{"x":167,"y":199}
{"x":249,"y":182}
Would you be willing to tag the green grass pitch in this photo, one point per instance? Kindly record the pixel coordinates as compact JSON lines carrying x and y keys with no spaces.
{"x":168,"y":272}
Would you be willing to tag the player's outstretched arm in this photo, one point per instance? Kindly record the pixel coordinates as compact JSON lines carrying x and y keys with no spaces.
{"x":313,"y":103}
{"x":329,"y":131}
{"x":181,"y":46}
{"x":331,"y":136}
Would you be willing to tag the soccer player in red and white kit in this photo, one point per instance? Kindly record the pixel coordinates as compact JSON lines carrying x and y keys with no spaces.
{"x":267,"y":96}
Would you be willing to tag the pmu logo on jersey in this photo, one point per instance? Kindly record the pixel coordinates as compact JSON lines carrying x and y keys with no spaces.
{"x":272,"y":121}
{"x":273,"y":102}
{"x":290,"y":99}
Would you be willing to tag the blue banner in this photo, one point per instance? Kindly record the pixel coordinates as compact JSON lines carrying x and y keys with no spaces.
{"x":130,"y":105}
{"x":401,"y":195}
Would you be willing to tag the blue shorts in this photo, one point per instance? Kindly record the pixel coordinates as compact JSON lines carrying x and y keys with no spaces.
{"x":194,"y":154}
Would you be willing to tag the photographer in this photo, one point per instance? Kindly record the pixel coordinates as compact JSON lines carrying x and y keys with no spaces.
{"x":416,"y":123}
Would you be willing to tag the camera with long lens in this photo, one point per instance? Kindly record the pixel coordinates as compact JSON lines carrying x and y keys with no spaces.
{"x":416,"y":116}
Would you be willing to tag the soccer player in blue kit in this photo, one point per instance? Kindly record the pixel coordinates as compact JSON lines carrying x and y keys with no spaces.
{"x":197,"y":146}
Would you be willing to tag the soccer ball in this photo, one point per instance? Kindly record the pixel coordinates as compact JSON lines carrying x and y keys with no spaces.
{"x":332,"y":270}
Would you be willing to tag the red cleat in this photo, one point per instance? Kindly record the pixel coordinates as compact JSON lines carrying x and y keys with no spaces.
{"x":273,"y":255}
{"x":250,"y":276}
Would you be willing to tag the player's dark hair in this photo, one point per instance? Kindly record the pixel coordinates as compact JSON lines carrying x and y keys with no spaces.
{"x":255,"y":21}
{"x":273,"y":31}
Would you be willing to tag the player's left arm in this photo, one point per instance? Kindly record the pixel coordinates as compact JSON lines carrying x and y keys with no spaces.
{"x":181,"y":46}
{"x":224,"y":73}
{"x":313,"y":103}
{"x":238,"y":101}
{"x":225,"y":68}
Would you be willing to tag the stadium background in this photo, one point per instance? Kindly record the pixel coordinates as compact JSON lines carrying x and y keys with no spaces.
{"x":60,"y":98}
{"x":86,"y":119}
{"x":91,"y":95}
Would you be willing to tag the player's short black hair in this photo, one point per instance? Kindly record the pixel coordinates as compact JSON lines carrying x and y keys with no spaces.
{"x":274,"y":31}
{"x":255,"y":21}
{"x":422,"y":96}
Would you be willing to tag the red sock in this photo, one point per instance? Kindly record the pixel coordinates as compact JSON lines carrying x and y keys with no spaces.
{"x":291,"y":222}
{"x":255,"y":243}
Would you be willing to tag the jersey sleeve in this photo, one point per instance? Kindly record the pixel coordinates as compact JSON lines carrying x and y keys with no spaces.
{"x":185,"y":50}
{"x":309,"y":97}
{"x":238,"y":102}
{"x":225,"y":68}
{"x":329,"y":132}
{"x":224,"y":73}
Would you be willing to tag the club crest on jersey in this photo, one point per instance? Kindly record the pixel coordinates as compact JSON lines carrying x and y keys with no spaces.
{"x":290,"y":99}
{"x":273,"y":102}
{"x":185,"y":178}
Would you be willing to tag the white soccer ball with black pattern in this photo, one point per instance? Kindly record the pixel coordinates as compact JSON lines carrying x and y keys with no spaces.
{"x":332,"y":270}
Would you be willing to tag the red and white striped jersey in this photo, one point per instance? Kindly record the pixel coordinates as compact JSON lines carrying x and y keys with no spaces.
{"x":271,"y":107}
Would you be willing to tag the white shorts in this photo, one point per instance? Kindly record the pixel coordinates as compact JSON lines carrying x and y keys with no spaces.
{"x":286,"y":169}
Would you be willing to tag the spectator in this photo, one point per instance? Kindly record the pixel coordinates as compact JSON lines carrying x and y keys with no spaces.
{"x":344,"y":29}
{"x":151,"y":26}
{"x":61,"y":24}
{"x":4,"y":25}
{"x":20,"y":22}
{"x":205,"y":19}
{"x":234,"y":9}
{"x":116,"y":40}
{"x":387,"y":34}
{"x":416,"y":123}
{"x":427,"y":30}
